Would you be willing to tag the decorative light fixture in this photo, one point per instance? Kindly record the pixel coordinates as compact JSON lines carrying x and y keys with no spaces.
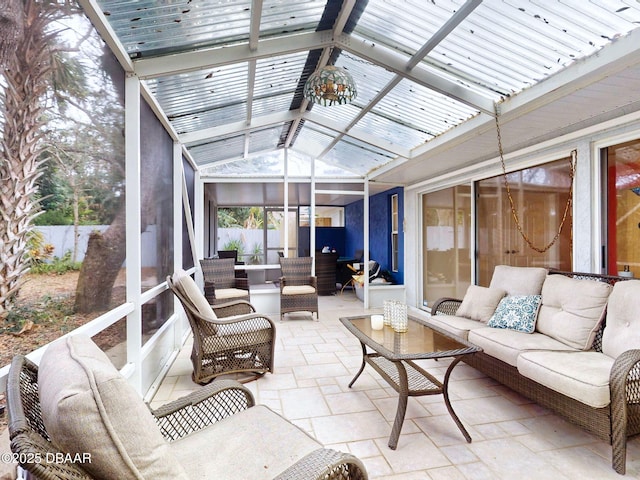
{"x":330,"y":85}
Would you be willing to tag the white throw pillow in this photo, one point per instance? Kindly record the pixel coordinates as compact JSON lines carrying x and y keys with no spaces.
{"x":479,"y":303}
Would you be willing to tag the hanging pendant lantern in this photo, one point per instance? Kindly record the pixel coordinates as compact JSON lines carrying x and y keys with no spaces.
{"x":330,"y":85}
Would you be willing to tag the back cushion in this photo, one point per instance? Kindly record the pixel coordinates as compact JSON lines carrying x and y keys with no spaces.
{"x":572,"y":310}
{"x":622,"y":331}
{"x":88,"y":407}
{"x":479,"y":303}
{"x":191,"y":291}
{"x":518,"y":280}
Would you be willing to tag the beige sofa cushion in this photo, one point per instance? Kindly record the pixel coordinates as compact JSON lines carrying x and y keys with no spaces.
{"x":622,"y":331}
{"x":459,"y":326}
{"x":88,"y":407}
{"x":479,"y":303}
{"x":506,"y":345}
{"x":583,"y":376}
{"x":518,"y":280}
{"x":572,"y":310}
{"x":257,"y":440}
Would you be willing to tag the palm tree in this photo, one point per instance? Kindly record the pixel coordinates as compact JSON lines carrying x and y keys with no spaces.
{"x":29,"y":69}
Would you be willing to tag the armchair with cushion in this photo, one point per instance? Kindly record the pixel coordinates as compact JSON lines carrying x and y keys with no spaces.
{"x":227,"y":338}
{"x":220,"y":282}
{"x":75,"y":417}
{"x":298,"y":288}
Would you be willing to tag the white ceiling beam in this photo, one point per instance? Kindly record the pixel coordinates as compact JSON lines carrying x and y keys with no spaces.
{"x":93,"y":11}
{"x":453,"y":21}
{"x":212,"y":57}
{"x":254,"y":27}
{"x":392,"y":61}
{"x":251,"y":83}
{"x":237,"y":127}
{"x":343,"y":16}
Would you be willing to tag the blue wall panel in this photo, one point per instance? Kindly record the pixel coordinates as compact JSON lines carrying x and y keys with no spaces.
{"x":379,"y":230}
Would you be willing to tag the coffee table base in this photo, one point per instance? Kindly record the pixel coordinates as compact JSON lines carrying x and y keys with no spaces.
{"x":409,"y":380}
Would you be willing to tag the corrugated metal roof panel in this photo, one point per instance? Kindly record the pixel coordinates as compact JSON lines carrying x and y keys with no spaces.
{"x":230,"y":147}
{"x":198,"y":99}
{"x":148,"y":27}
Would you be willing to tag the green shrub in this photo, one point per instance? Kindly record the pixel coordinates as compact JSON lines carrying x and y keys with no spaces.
{"x":56,"y":265}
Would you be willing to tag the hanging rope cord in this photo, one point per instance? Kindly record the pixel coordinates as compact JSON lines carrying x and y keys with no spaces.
{"x":514,"y":212}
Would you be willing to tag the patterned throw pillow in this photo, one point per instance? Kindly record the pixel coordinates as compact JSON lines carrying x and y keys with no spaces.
{"x":517,"y":312}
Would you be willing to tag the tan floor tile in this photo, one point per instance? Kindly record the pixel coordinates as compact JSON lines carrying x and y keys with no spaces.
{"x":513,"y":438}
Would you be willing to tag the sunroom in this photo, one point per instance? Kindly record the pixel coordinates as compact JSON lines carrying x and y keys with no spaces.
{"x":475,"y":134}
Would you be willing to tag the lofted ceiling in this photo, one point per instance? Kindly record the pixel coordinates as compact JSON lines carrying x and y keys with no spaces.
{"x":228,"y":76}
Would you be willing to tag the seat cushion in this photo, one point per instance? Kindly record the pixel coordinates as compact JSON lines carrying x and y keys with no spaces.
{"x":459,"y":326}
{"x":229,"y":293}
{"x":298,"y":290}
{"x":622,"y":331}
{"x":254,"y":444}
{"x":506,"y":345}
{"x":479,"y":303}
{"x":572,"y":310}
{"x":583,"y":376}
{"x":88,"y":407}
{"x":518,"y":280}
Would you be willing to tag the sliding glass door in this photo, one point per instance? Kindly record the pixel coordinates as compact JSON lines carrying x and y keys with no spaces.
{"x":533,"y":228}
{"x":622,"y":208}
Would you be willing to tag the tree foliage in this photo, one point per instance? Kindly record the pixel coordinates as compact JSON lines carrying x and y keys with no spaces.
{"x":59,"y":149}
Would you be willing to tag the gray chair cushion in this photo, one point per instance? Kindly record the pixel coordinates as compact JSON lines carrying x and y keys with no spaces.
{"x":88,"y":407}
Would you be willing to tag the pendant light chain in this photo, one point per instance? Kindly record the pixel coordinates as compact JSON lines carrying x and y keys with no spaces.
{"x":514,"y":213}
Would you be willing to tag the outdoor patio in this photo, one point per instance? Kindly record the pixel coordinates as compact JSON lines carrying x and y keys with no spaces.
{"x":512,"y":437}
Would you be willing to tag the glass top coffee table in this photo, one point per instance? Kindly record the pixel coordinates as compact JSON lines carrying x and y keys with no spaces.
{"x":392,"y":357}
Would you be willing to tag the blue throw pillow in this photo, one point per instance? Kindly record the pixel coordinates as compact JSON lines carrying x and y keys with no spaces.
{"x":517,"y":312}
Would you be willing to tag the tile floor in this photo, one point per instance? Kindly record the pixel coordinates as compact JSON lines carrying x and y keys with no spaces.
{"x":513,"y":438}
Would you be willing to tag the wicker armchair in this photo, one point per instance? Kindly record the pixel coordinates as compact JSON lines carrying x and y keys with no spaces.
{"x":298,"y":288}
{"x":227,"y":338}
{"x":194,"y":415}
{"x":220,"y":282}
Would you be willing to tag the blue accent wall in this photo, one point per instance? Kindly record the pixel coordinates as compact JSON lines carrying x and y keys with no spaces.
{"x":333,"y":237}
{"x":379,"y":230}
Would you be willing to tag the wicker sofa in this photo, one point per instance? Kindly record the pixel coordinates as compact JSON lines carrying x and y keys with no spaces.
{"x":75,"y":417}
{"x":582,"y":360}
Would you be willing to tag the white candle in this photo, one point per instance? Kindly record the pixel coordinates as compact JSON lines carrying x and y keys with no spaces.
{"x":377,"y":322}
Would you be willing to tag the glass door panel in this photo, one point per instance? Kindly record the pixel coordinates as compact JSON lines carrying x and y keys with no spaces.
{"x":539,"y":198}
{"x":623,"y":211}
{"x":446,"y":236}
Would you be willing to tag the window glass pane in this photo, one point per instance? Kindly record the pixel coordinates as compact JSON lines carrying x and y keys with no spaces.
{"x":539,"y":198}
{"x":623,"y":212}
{"x":446,"y":220}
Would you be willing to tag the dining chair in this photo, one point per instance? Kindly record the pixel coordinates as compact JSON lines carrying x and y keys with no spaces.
{"x":298,"y":288}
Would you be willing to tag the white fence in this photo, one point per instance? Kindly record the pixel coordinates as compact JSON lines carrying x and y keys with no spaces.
{"x":61,"y":237}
